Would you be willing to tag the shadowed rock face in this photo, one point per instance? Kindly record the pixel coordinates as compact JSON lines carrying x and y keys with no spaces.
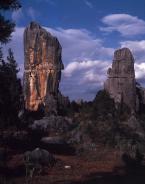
{"x":121,"y":78}
{"x":42,"y":65}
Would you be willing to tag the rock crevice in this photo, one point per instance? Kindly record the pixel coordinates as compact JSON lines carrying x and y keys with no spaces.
{"x":42,"y":66}
{"x":121,"y":83}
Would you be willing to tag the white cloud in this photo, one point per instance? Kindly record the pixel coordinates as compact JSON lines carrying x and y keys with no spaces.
{"x":80,"y":44}
{"x":85,"y":77}
{"x":140,"y":70}
{"x":31,"y":13}
{"x":17,"y":15}
{"x":125,"y":24}
{"x":88,"y":3}
{"x":86,"y":60}
{"x":84,"y":56}
{"x":138,"y":49}
{"x":85,"y":65}
{"x":97,"y":74}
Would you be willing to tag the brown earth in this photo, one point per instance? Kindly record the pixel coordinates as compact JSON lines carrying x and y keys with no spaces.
{"x":100,"y":166}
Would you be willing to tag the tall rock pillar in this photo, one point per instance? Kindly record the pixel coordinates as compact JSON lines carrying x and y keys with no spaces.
{"x":42,"y":66}
{"x":121,"y":83}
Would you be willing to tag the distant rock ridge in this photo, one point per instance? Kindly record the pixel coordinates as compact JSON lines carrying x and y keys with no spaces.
{"x":121,"y":82}
{"x":42,"y":66}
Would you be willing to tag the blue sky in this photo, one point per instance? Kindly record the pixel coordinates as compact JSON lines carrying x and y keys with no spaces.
{"x":89,"y":32}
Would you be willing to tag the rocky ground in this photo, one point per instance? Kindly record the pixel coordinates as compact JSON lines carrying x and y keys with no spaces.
{"x":101,"y":165}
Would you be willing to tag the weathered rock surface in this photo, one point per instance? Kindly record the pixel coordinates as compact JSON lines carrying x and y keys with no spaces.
{"x":56,"y":124}
{"x":53,"y":140}
{"x":39,"y":158}
{"x":42,"y":65}
{"x":121,"y":83}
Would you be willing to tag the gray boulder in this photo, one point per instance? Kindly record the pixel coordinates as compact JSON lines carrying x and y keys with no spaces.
{"x":36,"y":160}
{"x":53,"y":140}
{"x":53,"y":124}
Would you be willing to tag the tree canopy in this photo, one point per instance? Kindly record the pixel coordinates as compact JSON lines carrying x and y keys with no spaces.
{"x":10,"y":90}
{"x":7,"y":26}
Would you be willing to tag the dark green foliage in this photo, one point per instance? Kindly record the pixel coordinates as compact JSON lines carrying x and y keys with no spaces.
{"x":101,"y":121}
{"x":141,"y":110}
{"x":123,"y":112}
{"x":9,"y":4}
{"x":12,"y":63}
{"x":69,"y":110}
{"x":96,"y":119}
{"x":7,"y":26}
{"x":1,"y":57}
{"x":74,"y":106}
{"x":133,"y":163}
{"x":10,"y":90}
{"x":103,"y":106}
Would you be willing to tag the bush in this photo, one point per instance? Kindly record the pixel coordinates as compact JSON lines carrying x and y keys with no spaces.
{"x":103,"y":106}
{"x":10,"y":90}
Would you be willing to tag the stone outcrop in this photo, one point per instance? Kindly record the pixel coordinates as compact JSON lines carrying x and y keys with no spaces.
{"x":42,"y":67}
{"x":121,"y":83}
{"x":53,"y":124}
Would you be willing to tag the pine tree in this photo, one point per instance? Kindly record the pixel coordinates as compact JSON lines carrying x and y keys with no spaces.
{"x":1,"y":57}
{"x":7,"y":26}
{"x":10,"y":85}
{"x":10,"y":91}
{"x":15,"y":89}
{"x":2,"y":87}
{"x":12,"y":63}
{"x":9,"y":4}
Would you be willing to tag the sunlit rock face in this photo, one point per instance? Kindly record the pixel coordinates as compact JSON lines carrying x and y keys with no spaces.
{"x":121,"y":83}
{"x":42,"y":65}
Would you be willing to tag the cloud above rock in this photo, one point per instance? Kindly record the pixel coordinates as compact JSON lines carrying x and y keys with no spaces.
{"x":85,"y":57}
{"x":137,"y":47}
{"x":125,"y":24}
{"x":140,"y":71}
{"x":80,"y":44}
{"x":85,"y":78}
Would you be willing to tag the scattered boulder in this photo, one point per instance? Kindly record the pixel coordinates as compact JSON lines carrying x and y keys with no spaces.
{"x":53,"y":124}
{"x":53,"y":140}
{"x":36,"y":160}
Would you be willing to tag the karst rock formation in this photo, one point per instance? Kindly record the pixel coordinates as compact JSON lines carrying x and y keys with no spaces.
{"x":121,"y":83}
{"x":42,"y":66}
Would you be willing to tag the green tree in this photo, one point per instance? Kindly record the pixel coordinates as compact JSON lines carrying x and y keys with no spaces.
{"x":15,"y":86}
{"x":10,"y":91}
{"x":7,"y":26}
{"x":1,"y":57}
{"x":12,"y":63}
{"x":10,"y":85}
{"x":103,"y":106}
